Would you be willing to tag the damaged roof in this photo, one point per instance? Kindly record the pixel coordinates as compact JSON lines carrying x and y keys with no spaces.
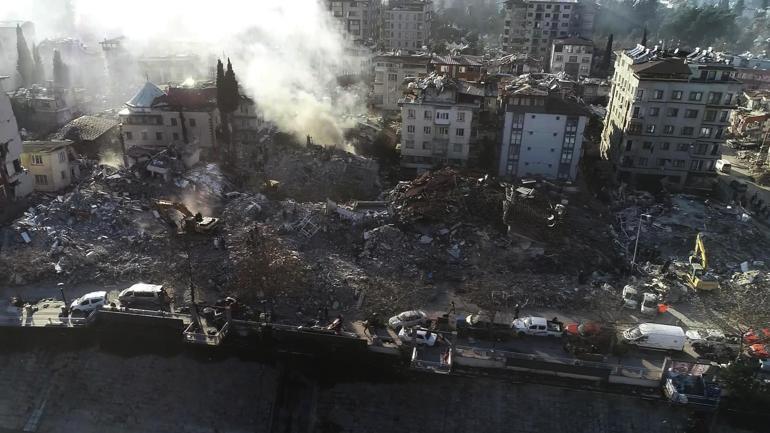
{"x":461,"y":60}
{"x":86,"y":128}
{"x":666,"y":66}
{"x":146,"y":96}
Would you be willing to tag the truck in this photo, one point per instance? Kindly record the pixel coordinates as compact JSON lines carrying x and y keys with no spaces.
{"x":485,"y":325}
{"x":655,"y":336}
{"x":539,"y":326}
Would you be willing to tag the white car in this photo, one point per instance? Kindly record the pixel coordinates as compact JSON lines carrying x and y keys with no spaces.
{"x":630,"y":297}
{"x":649,"y":303}
{"x":89,"y":302}
{"x":418,"y":337}
{"x":407,"y":319}
{"x":714,"y":335}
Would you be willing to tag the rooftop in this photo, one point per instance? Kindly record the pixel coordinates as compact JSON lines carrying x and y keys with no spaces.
{"x":146,"y":96}
{"x":665,"y":66}
{"x":45,"y":146}
{"x":462,"y":60}
{"x":86,"y":128}
{"x":574,"y":40}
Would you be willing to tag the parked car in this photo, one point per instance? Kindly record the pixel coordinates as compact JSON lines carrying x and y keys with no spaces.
{"x":755,"y":336}
{"x":723,"y":165}
{"x":714,"y":335}
{"x":630,"y":297}
{"x":89,"y":302}
{"x":408,"y":319}
{"x":144,"y":296}
{"x":649,"y":303}
{"x":539,"y":326}
{"x":419,"y":337}
{"x":759,"y":350}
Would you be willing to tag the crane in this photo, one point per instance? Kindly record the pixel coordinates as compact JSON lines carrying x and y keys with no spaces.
{"x":700,"y":278}
{"x":189,"y":222}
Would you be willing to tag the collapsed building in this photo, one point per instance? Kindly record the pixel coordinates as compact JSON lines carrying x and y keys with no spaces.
{"x":15,"y":182}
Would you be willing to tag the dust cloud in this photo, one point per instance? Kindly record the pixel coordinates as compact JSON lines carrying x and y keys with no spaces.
{"x":287,"y":54}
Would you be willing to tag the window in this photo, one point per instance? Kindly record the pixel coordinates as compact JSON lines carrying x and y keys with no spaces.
{"x":658,"y":94}
{"x":676,"y":95}
{"x":409,"y":144}
{"x":715,"y":97}
{"x":426,"y":130}
{"x":724,"y":116}
{"x":129,"y":135}
{"x":668,"y":129}
{"x":573,"y":59}
{"x":410,"y":129}
{"x":41,"y":179}
{"x":461,"y":116}
{"x":459,"y":132}
{"x":687,"y":130}
{"x":710,"y":116}
{"x":705,"y":132}
{"x":410,"y":114}
{"x":392,"y":77}
{"x":62,"y":156}
{"x":696,"y":96}
{"x":173,"y":121}
{"x":426,"y":145}
{"x":639,"y":94}
{"x":176,"y":136}
{"x":635,"y":114}
{"x":665,"y":145}
{"x":192,"y":123}
{"x":457,"y":147}
{"x":682,"y":147}
{"x":662,"y":162}
{"x":690,"y":114}
{"x":672,"y":112}
{"x":729,"y":99}
{"x":444,"y":115}
{"x":629,"y":144}
{"x":427,"y":115}
{"x":64,"y":175}
{"x":653,"y":111}
{"x":647,"y":145}
{"x":679,"y":163}
{"x":696,"y":164}
{"x":159,"y":136}
{"x":650,"y":129}
{"x":642,"y":162}
{"x":144,"y":135}
{"x":442,"y":130}
{"x":559,"y":58}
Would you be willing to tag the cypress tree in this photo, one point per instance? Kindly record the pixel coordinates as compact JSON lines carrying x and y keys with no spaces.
{"x":644,"y":37}
{"x":24,"y":63}
{"x":39,"y":75}
{"x":607,"y":60}
{"x":220,"y":85}
{"x":230,"y":87}
{"x":61,"y":73}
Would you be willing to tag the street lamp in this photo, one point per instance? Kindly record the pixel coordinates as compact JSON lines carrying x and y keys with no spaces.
{"x":643,"y":217}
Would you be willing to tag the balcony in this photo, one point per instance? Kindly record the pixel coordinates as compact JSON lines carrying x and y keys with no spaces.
{"x":440,"y":146}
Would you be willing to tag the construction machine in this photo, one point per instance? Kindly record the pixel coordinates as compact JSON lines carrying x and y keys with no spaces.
{"x":189,"y":222}
{"x":699,"y":277}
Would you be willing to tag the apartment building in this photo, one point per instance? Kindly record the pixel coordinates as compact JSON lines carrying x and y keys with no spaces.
{"x":390,"y":71}
{"x":15,"y":181}
{"x":406,"y":24}
{"x":179,"y":116}
{"x":532,"y":25}
{"x":51,"y":164}
{"x":463,"y":67}
{"x":667,"y":117}
{"x":358,"y":18}
{"x":572,"y":56}
{"x":542,"y":135}
{"x":436,"y":124}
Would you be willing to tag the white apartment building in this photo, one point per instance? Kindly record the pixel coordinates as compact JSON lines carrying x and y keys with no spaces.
{"x":667,"y":117}
{"x":406,"y":24}
{"x":390,"y":70}
{"x":542,"y":136}
{"x":51,"y":164}
{"x":573,"y":56}
{"x":154,"y":119}
{"x":358,"y":18}
{"x":531,"y":25}
{"x":436,"y":126}
{"x":15,"y":181}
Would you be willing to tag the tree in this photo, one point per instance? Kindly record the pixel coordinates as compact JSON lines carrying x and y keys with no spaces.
{"x":61,"y":73}
{"x":644,"y":37}
{"x":228,"y":100}
{"x":230,"y":87}
{"x":607,"y":59}
{"x":220,"y":85}
{"x":740,"y":6}
{"x":39,"y":75}
{"x":24,"y":64}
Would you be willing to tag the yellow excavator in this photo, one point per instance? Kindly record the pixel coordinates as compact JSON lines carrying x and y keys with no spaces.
{"x":189,"y":222}
{"x":700,"y":278}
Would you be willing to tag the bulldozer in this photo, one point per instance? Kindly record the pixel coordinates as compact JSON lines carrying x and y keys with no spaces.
{"x":699,"y":277}
{"x":189,"y":222}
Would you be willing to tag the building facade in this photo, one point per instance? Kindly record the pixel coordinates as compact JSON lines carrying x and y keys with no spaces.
{"x":667,"y":117}
{"x":531,"y":25}
{"x":436,"y":125}
{"x":15,"y":181}
{"x":572,"y":56}
{"x":390,"y":71}
{"x":179,"y":117}
{"x":51,"y":164}
{"x":358,"y":18}
{"x":406,"y":24}
{"x":542,"y":136}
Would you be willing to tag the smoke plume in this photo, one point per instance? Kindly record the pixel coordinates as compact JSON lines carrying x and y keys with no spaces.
{"x":287,"y":54}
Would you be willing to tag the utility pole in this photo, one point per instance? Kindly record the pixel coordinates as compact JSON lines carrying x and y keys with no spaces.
{"x":645,"y":217}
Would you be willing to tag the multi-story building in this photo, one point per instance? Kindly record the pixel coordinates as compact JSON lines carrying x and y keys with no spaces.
{"x":43,"y":110}
{"x":181,"y":116}
{"x":461,"y":67}
{"x":436,"y":124}
{"x":15,"y":181}
{"x":406,"y":24}
{"x":390,"y":70}
{"x":51,"y":164}
{"x":358,"y":18}
{"x":573,"y":56}
{"x":542,"y":135}
{"x":667,"y":117}
{"x":531,"y":25}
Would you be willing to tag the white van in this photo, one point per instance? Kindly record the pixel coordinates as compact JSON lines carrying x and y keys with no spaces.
{"x":655,"y":336}
{"x":723,"y":165}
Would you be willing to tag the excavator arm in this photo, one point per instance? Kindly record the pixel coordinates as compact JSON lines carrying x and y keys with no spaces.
{"x":166,"y":204}
{"x":700,"y":251}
